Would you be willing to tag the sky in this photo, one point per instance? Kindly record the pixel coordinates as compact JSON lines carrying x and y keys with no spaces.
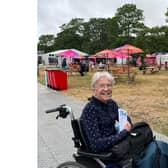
{"x":53,"y":13}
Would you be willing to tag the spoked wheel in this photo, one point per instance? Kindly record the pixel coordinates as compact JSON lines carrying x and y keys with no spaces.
{"x":71,"y":164}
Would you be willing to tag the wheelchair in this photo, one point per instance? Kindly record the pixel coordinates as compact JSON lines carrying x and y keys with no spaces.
{"x":83,"y":158}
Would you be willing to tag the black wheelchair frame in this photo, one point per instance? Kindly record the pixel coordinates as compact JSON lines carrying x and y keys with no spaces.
{"x":83,"y":158}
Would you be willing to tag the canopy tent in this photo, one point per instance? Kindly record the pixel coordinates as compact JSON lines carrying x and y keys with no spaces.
{"x":149,"y":59}
{"x":57,"y":52}
{"x":80,"y":52}
{"x":54,"y":53}
{"x":72,"y":54}
{"x":150,"y":55}
{"x":107,"y":53}
{"x":79,"y":57}
{"x":54,"y":57}
{"x":128,"y":49}
{"x":68,"y":53}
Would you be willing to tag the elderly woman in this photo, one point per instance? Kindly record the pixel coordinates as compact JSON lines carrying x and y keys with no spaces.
{"x":98,"y":123}
{"x":100,"y":114}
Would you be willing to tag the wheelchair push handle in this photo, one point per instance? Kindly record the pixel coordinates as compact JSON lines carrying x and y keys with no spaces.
{"x":63,"y":111}
{"x":51,"y":110}
{"x":55,"y":109}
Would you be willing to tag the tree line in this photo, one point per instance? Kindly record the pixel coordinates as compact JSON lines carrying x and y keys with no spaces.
{"x":126,"y":26}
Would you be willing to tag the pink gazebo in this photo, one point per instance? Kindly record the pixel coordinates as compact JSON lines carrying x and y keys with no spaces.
{"x":68,"y":53}
{"x":107,"y":53}
{"x":128,"y":49}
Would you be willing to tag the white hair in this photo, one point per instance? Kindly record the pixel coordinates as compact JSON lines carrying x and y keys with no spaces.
{"x":98,"y":75}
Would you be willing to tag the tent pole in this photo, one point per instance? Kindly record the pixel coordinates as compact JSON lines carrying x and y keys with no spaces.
{"x":128,"y":67}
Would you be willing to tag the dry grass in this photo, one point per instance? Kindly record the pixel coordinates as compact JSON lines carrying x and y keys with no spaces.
{"x":146,"y":99}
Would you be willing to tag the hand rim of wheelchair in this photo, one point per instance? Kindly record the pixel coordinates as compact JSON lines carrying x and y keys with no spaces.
{"x":71,"y":164}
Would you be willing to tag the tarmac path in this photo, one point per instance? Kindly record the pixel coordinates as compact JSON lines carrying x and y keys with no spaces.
{"x":55,"y":136}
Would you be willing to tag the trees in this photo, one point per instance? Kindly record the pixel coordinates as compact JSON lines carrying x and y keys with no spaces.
{"x":46,"y":43}
{"x":91,"y":36}
{"x":70,"y":35}
{"x":99,"y":33}
{"x":153,"y":39}
{"x":130,"y":20}
{"x":95,"y":34}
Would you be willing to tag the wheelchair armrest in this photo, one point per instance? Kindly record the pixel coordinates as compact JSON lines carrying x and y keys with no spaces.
{"x":101,"y":156}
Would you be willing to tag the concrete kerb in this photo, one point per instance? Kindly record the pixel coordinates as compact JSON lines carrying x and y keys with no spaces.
{"x":160,"y":137}
{"x":54,"y":136}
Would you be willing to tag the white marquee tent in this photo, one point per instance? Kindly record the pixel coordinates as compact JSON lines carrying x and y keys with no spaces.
{"x":54,"y":54}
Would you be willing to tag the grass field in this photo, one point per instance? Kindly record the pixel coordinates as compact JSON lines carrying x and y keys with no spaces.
{"x":145,"y":99}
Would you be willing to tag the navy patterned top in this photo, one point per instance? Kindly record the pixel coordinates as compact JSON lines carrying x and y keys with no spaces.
{"x":97,"y":121}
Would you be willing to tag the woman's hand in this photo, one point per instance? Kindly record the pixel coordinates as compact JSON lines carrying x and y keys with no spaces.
{"x":127,"y":126}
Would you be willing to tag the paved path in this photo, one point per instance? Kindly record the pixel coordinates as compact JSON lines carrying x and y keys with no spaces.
{"x":54,"y":136}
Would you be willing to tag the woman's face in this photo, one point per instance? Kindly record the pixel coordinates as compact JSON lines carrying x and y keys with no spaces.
{"x":103,"y":89}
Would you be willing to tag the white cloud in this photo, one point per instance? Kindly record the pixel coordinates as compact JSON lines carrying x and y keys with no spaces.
{"x":53,"y":13}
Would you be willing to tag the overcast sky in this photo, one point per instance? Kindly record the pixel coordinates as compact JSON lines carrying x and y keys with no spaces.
{"x":53,"y":13}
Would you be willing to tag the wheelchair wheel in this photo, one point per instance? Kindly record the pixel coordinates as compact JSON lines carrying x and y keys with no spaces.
{"x":71,"y":164}
{"x":88,"y":162}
